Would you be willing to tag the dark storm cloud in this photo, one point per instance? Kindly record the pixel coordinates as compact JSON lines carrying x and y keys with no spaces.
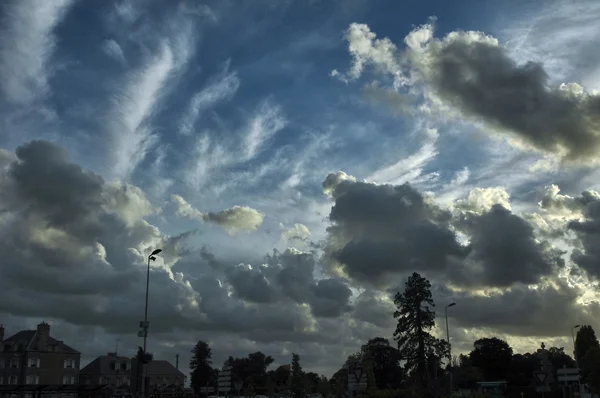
{"x":482,"y":80}
{"x":504,"y":249}
{"x":75,"y":249}
{"x":381,"y":231}
{"x":587,"y":255}
{"x":290,"y":276}
{"x":374,"y":310}
{"x":550,"y":310}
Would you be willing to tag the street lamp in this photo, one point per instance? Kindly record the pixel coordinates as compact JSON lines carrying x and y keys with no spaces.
{"x":145,"y":324}
{"x":574,"y":347}
{"x":449,"y":347}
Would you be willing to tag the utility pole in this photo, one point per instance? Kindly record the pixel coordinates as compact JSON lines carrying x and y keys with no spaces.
{"x":177,"y":361}
{"x":144,"y":325}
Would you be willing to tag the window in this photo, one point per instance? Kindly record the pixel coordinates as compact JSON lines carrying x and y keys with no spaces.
{"x":69,"y":363}
{"x":13,"y":380}
{"x":1,"y":363}
{"x":1,"y":380}
{"x":68,"y":379}
{"x":33,"y":379}
{"x":124,"y":366}
{"x":34,"y":362}
{"x":14,"y":362}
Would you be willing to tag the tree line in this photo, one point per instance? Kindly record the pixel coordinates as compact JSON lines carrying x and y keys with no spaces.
{"x":417,"y":364}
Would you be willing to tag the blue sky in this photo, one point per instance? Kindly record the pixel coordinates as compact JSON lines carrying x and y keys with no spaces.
{"x":236,"y":103}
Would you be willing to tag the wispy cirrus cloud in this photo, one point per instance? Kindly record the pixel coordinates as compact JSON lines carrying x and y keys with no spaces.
{"x":137,"y":102}
{"x":222,"y":88}
{"x":113,"y":49}
{"x":262,"y":126}
{"x":27,"y":43}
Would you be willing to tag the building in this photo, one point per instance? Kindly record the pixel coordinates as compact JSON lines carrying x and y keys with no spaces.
{"x":116,"y":372}
{"x":161,"y":377}
{"x":112,"y":370}
{"x":35,"y":357}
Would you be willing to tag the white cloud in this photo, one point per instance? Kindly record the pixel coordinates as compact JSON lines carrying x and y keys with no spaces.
{"x":27,"y":43}
{"x":297,"y":232}
{"x":234,"y":220}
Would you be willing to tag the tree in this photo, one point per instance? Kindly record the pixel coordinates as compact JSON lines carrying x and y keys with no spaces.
{"x":202,"y":373}
{"x":465,"y":374}
{"x":415,"y":343}
{"x":559,"y":358}
{"x":385,"y":361}
{"x":493,"y":356}
{"x":252,"y":371}
{"x":522,"y":367}
{"x":591,"y":368}
{"x":298,"y":390}
{"x":311,"y":382}
{"x":586,"y":339}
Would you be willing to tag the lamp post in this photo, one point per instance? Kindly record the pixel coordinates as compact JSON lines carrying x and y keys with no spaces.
{"x":449,"y":347}
{"x":145,"y":324}
{"x":574,"y":347}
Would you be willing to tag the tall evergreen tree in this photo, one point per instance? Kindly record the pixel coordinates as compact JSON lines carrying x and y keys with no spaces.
{"x":415,"y":320}
{"x":586,"y":339}
{"x":298,"y":390}
{"x":201,"y":374}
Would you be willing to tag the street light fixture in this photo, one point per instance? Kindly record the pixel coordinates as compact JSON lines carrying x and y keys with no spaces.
{"x":449,"y":346}
{"x":144,"y":325}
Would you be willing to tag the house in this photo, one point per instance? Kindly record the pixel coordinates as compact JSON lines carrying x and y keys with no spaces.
{"x":112,"y":370}
{"x":161,"y":377}
{"x":119,"y":374}
{"x":34,"y":357}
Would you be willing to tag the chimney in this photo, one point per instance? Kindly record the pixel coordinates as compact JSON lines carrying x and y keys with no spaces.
{"x":1,"y":333}
{"x":43,"y":334}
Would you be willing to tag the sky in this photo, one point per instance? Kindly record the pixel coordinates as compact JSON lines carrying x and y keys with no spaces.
{"x":296,"y":161}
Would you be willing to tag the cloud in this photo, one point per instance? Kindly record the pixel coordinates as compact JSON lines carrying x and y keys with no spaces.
{"x":298,"y":232}
{"x":234,"y":220}
{"x":114,"y":50}
{"x":290,"y":276}
{"x":71,"y":234}
{"x":222,"y":88}
{"x":27,"y":43}
{"x":550,"y":309}
{"x":469,"y":72}
{"x":267,"y":121}
{"x":379,"y":231}
{"x":138,"y":99}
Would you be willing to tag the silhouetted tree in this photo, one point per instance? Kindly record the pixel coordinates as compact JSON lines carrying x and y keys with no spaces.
{"x":297,"y":387}
{"x":202,"y":373}
{"x":586,"y":339}
{"x":559,"y":358}
{"x":251,"y":371}
{"x":591,"y":368}
{"x":465,"y":374}
{"x":522,"y":367}
{"x":415,"y":320}
{"x":385,"y":361}
{"x":493,"y":356}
